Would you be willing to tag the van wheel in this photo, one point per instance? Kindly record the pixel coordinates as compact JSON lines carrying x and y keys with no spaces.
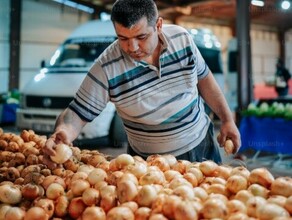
{"x":117,"y":133}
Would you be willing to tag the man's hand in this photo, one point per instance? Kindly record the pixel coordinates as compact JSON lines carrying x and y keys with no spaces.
{"x":229,"y":138}
{"x":49,"y":148}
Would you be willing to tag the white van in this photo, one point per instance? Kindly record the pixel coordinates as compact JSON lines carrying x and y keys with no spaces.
{"x":53,"y":88}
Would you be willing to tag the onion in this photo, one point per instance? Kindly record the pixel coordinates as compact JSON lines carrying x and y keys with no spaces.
{"x":114,"y":176}
{"x":47,"y":205}
{"x":146,"y":195}
{"x":190,"y":177}
{"x":128,"y":177}
{"x":120,"y":212}
{"x":159,"y":161}
{"x":261,"y":176}
{"x":240,"y":170}
{"x":36,"y":213}
{"x":235,"y":206}
{"x":186,"y":192}
{"x":200,"y":193}
{"x":54,"y":191}
{"x":208,"y":168}
{"x":171,"y":174}
{"x":282,"y":186}
{"x":229,"y":146}
{"x":271,"y":211}
{"x":277,"y":199}
{"x":124,"y":160}
{"x":178,"y":182}
{"x":96,"y":175}
{"x":253,"y":204}
{"x":184,"y":210}
{"x":53,"y":179}
{"x":243,"y":195}
{"x":197,"y":172}
{"x":214,"y":208}
{"x":79,"y":186}
{"x":157,"y":216}
{"x":126,"y":191}
{"x":152,"y":177}
{"x":63,"y":153}
{"x":91,"y":196}
{"x":238,"y":216}
{"x":76,"y":207}
{"x":138,"y":169}
{"x":61,"y":206}
{"x":10,"y":194}
{"x":3,"y":209}
{"x":31,"y":191}
{"x":14,"y":213}
{"x":258,"y":190}
{"x":236,"y":183}
{"x":108,"y":197}
{"x":224,"y":171}
{"x":169,"y":205}
{"x":86,"y":168}
{"x":142,"y":213}
{"x":181,"y":166}
{"x":217,"y":188}
{"x":131,"y":204}
{"x":93,"y":212}
{"x":171,"y":160}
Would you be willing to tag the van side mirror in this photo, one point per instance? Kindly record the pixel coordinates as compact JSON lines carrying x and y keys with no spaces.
{"x":43,"y":63}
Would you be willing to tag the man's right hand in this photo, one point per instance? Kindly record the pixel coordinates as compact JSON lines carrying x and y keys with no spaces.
{"x":49,"y":148}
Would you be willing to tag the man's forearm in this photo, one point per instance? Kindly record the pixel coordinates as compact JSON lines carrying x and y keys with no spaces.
{"x":70,"y":123}
{"x":214,"y":98}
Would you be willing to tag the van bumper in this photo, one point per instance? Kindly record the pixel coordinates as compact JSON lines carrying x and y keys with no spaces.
{"x":43,"y":121}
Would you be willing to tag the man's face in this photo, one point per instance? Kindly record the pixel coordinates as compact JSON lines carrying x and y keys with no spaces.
{"x":140,"y":40}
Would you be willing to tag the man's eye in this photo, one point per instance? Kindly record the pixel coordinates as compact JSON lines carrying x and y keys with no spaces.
{"x":142,"y":37}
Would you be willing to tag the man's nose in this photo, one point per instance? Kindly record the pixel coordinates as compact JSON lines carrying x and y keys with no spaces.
{"x":133,"y":45}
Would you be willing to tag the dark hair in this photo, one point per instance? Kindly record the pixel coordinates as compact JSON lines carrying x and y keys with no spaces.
{"x":129,"y":12}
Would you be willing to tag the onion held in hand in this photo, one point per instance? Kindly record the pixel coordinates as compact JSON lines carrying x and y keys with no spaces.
{"x":229,"y":146}
{"x":63,"y":153}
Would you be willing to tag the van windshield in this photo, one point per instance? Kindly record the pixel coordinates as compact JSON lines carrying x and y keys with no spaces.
{"x":80,"y":52}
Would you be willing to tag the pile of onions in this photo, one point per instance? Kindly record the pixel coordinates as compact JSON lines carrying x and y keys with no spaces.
{"x":89,"y":185}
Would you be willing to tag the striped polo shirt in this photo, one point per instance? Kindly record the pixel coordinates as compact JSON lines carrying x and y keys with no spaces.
{"x":161,"y":108}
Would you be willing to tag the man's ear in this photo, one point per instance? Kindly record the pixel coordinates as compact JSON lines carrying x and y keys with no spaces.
{"x":159,"y":23}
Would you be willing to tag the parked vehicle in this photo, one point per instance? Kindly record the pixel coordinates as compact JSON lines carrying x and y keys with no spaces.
{"x":53,"y":88}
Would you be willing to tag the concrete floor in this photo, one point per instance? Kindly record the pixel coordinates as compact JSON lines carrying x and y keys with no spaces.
{"x":278,"y":165}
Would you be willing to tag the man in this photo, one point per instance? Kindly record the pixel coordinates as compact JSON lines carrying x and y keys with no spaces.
{"x":157,"y":79}
{"x":282,"y":77}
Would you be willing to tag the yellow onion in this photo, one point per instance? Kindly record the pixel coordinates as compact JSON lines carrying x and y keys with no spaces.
{"x":142,"y":213}
{"x":93,"y":212}
{"x":63,"y":153}
{"x":271,"y":211}
{"x":261,"y":176}
{"x":282,"y":186}
{"x":120,"y":212}
{"x":236,"y":183}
